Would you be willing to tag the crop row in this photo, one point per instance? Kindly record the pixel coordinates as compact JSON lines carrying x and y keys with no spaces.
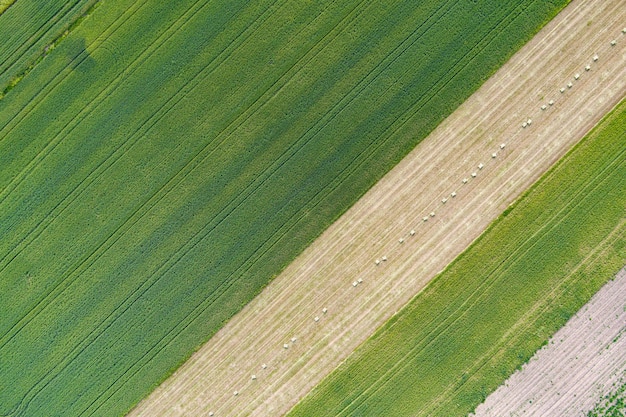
{"x":490,"y":310}
{"x":28,"y":29}
{"x":154,"y":180}
{"x":5,"y":4}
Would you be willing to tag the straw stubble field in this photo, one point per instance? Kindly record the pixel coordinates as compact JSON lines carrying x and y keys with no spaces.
{"x":323,"y":276}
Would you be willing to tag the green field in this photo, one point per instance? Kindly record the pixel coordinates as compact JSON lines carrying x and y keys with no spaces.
{"x":493,"y":307}
{"x":168,"y":159}
{"x":28,"y":29}
{"x":5,"y":4}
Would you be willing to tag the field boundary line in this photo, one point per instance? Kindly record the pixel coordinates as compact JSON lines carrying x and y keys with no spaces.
{"x":32,"y":40}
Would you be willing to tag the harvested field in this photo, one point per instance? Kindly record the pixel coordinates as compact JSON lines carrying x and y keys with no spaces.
{"x":323,"y":276}
{"x":167,"y":159}
{"x":583,"y":362}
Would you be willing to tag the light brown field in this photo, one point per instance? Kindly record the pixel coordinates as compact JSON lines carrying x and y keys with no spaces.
{"x":580,"y":364}
{"x":322,"y":276}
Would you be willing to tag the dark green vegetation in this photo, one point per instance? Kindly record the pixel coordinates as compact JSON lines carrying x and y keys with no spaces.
{"x":28,"y":30}
{"x":168,"y":159}
{"x":611,"y":405}
{"x":500,"y":301}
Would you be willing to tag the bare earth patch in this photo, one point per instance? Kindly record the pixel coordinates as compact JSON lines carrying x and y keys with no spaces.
{"x":226,"y":375}
{"x":583,"y":361}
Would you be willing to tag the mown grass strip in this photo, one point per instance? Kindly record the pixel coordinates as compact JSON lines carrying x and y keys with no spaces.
{"x":493,"y":307}
{"x":168,"y":173}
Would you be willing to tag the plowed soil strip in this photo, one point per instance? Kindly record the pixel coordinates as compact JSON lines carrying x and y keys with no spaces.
{"x":279,"y":329}
{"x":580,"y":364}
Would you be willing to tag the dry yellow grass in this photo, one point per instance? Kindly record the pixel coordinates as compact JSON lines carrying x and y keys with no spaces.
{"x":323,"y":276}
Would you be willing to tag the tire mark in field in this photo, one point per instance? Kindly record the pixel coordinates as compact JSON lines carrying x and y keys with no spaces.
{"x":5,"y":265}
{"x":0,"y":271}
{"x":173,"y":185}
{"x":107,"y":91}
{"x":60,"y":15}
{"x":576,"y":333}
{"x":187,"y":87}
{"x":205,"y":307}
{"x":496,"y":274}
{"x":538,"y":309}
{"x":179,"y":180}
{"x":181,"y":256}
{"x":42,"y":94}
{"x":125,"y":146}
{"x":45,"y":9}
{"x":49,"y":147}
{"x":100,"y":98}
{"x":6,"y":341}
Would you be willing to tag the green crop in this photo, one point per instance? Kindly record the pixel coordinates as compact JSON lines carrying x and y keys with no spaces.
{"x":613,"y":404}
{"x":29,"y":30}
